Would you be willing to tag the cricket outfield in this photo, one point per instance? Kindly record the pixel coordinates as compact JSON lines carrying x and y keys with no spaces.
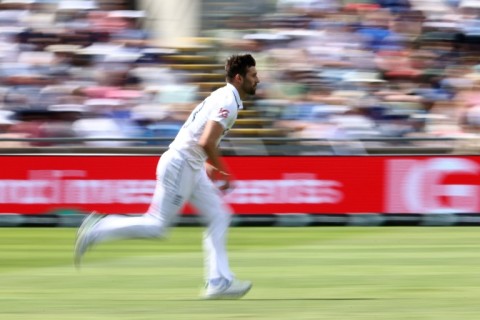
{"x":298,"y":273}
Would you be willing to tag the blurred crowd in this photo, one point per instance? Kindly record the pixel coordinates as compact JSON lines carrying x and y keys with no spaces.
{"x":371,"y":69}
{"x":329,"y":69}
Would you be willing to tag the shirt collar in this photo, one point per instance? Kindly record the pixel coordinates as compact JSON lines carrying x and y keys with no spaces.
{"x":236,"y":95}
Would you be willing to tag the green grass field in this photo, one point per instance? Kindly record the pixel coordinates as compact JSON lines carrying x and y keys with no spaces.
{"x":298,"y":273}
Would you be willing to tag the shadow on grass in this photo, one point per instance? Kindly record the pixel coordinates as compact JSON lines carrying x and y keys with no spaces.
{"x":283,"y":299}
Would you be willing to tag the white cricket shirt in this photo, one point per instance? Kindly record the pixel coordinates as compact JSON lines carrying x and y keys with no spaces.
{"x":222,"y":106}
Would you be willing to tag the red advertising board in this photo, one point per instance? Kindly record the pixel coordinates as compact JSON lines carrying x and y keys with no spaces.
{"x":263,"y":185}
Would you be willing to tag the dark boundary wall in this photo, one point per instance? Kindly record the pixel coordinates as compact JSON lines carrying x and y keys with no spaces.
{"x":275,"y":220}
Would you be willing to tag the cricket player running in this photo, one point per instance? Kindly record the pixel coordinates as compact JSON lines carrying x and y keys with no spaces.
{"x":185,"y":173}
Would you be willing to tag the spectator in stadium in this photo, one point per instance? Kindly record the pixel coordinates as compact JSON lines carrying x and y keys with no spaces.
{"x":6,"y":122}
{"x":186,"y":173}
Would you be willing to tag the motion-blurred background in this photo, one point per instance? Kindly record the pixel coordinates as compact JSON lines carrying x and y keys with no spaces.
{"x":337,"y":76}
{"x":340,"y":80}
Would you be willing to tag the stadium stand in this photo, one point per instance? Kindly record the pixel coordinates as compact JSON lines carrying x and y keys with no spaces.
{"x":398,"y":76}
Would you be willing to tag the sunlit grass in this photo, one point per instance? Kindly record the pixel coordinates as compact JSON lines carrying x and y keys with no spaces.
{"x":298,"y":273}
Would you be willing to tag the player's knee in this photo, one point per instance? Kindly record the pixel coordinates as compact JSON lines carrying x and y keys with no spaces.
{"x":155,"y":229}
{"x":225,"y":217}
{"x":228,"y":215}
{"x":155,"y":232}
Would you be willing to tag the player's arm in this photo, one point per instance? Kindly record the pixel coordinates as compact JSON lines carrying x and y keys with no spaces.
{"x":208,"y":141}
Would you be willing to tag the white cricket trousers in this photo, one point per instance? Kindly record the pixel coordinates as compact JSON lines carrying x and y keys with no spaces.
{"x":177,"y":183}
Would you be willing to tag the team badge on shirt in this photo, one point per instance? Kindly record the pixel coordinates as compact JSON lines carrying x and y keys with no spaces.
{"x":223,"y":113}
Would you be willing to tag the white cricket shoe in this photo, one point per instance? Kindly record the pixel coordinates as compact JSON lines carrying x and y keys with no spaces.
{"x":224,"y":290}
{"x":84,"y":240}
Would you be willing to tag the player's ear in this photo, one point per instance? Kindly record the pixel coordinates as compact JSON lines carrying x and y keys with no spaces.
{"x":238,"y":77}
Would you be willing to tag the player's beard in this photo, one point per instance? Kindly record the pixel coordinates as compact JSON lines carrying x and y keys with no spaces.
{"x":249,"y":88}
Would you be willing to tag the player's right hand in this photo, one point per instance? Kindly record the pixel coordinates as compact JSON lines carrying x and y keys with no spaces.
{"x":224,"y":180}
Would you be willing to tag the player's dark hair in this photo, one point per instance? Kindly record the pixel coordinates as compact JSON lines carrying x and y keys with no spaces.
{"x":238,"y":64}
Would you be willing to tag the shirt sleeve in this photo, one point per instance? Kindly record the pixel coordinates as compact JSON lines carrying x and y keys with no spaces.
{"x":225,"y":114}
